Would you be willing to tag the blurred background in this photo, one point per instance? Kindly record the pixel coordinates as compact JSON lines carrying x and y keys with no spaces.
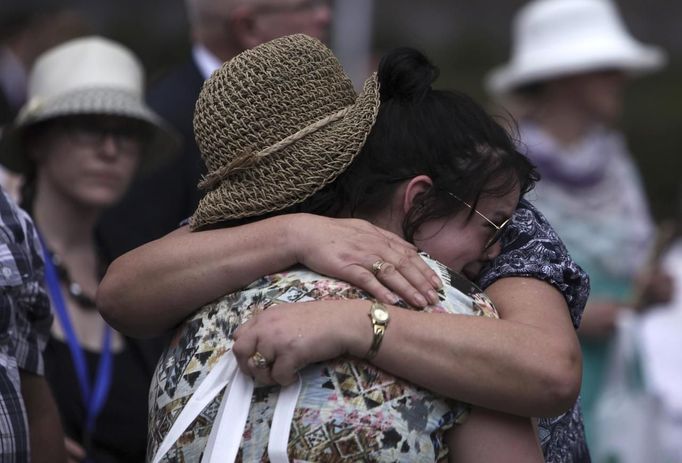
{"x":465,"y":39}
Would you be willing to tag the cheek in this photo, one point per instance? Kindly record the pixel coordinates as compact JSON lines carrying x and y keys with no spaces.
{"x":451,"y":243}
{"x":126,"y":166}
{"x":612,"y":103}
{"x":130,"y":163}
{"x":63,"y":166}
{"x":465,"y":253}
{"x":605,"y":99}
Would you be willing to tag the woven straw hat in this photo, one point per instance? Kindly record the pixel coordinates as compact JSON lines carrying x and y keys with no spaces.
{"x":553,"y":38}
{"x":90,"y":75}
{"x":276,"y":124}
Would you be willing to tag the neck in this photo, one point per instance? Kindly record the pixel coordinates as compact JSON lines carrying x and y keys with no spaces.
{"x":565,"y":126}
{"x":389,"y":219}
{"x":65,"y":225}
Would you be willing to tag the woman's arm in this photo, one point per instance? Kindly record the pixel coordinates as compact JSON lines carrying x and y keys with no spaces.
{"x":45,"y":429}
{"x":488,"y":436}
{"x":154,"y":287}
{"x":528,"y":363}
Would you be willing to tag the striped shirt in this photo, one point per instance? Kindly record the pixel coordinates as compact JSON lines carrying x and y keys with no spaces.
{"x":25,"y":320}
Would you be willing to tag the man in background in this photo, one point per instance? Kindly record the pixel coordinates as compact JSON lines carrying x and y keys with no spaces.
{"x":220,"y":29}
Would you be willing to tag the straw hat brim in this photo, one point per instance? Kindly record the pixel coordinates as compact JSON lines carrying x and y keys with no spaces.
{"x":164,"y":141}
{"x":634,"y":59}
{"x":296,"y":172}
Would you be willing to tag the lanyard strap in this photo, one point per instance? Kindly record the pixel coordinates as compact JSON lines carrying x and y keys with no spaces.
{"x":93,"y":399}
{"x":102,"y":381}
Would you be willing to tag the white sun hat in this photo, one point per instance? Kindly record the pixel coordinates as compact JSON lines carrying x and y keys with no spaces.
{"x":88,"y":75}
{"x":553,"y":38}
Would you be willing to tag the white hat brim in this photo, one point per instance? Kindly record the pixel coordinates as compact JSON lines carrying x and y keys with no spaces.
{"x":634,"y":60}
{"x":101,"y":101}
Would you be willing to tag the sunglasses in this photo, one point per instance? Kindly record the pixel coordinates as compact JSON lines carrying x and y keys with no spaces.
{"x":499,"y":229}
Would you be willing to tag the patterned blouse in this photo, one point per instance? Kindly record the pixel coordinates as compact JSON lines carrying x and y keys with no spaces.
{"x":531,"y":248}
{"x":348,"y":410}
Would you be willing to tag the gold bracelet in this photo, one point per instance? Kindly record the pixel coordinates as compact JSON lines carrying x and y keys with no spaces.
{"x":379,"y":317}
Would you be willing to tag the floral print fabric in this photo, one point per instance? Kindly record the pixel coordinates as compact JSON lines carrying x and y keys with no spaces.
{"x":348,"y":410}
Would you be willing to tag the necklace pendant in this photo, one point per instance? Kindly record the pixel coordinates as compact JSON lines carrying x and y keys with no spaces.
{"x":75,"y":289}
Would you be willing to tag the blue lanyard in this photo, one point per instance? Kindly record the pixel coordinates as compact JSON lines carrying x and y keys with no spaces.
{"x":93,"y":399}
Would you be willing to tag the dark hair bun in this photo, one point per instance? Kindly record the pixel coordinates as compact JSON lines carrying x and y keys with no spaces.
{"x":406,"y":74}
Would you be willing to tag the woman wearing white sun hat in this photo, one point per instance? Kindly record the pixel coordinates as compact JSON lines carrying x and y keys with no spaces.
{"x":570,"y":62}
{"x":79,"y":139}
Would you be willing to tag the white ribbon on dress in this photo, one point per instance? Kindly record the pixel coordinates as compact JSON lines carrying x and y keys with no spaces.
{"x":230,"y":421}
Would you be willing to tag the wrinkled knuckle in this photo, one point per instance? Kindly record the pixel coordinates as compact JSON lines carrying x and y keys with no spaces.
{"x":239,"y":349}
{"x":404,"y":262}
{"x":345,"y":257}
{"x":387,"y":269}
{"x":265,"y":379}
{"x":283,"y":378}
{"x":303,"y":358}
{"x":277,"y":377}
{"x":277,"y":334}
{"x":364,"y":279}
{"x":293,"y":342}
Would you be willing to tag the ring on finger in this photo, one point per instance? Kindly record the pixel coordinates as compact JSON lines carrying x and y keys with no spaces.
{"x":377,"y":266}
{"x":259,"y":361}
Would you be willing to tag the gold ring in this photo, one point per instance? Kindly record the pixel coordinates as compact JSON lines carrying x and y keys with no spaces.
{"x":376,"y":266}
{"x":260,"y":361}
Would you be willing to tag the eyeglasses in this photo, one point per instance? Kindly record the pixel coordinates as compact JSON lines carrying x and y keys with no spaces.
{"x":92,"y":131}
{"x":499,"y":229}
{"x":296,"y":7}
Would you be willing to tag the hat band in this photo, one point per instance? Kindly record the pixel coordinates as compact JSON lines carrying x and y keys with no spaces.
{"x":248,"y":159}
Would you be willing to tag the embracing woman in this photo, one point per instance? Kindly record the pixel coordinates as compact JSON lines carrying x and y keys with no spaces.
{"x":281,"y":131}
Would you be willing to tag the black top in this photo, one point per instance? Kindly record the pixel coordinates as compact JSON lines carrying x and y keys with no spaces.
{"x":121,"y":428}
{"x":7,"y":112}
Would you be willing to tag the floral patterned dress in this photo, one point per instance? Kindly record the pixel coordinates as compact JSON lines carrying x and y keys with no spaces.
{"x":348,"y":410}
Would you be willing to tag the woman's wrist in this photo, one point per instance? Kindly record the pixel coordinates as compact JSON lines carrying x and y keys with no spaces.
{"x":379,"y":318}
{"x":294,"y":241}
{"x":358,"y":327}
